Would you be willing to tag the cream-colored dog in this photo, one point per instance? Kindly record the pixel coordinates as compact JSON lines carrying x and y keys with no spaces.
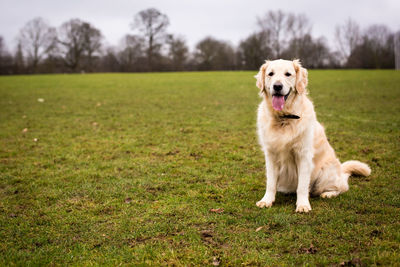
{"x":297,"y":153}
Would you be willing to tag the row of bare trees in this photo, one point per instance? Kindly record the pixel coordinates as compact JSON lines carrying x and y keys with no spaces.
{"x":74,"y":46}
{"x":372,"y":47}
{"x":285,"y":35}
{"x":78,"y":46}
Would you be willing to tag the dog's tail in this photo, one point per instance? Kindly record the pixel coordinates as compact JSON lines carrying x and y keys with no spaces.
{"x":355,"y":167}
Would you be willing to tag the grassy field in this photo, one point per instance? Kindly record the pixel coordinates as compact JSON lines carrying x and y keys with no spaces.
{"x":116,"y":169}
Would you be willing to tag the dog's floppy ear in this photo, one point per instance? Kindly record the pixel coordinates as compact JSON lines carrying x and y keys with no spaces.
{"x":261,"y":77}
{"x":301,"y":77}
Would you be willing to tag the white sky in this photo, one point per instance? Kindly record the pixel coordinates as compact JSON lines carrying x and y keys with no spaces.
{"x":230,"y":20}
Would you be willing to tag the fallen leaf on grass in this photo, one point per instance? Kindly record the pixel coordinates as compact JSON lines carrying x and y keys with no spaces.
{"x":220,"y":210}
{"x":216,"y":261}
{"x":259,"y":228}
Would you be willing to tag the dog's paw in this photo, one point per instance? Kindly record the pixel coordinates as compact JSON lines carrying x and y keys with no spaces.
{"x":303,"y":207}
{"x":329,"y":194}
{"x":264,"y":204}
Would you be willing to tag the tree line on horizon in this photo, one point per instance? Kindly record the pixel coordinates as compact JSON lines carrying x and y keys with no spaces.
{"x":78,"y":46}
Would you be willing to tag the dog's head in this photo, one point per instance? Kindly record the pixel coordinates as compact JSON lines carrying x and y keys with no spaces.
{"x":280,"y":80}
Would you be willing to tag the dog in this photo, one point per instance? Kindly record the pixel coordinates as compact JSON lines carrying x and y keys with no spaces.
{"x":298,"y":155}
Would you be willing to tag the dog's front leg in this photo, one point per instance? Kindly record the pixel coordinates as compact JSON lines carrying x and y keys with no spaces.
{"x":305,"y":166}
{"x":270,"y":192}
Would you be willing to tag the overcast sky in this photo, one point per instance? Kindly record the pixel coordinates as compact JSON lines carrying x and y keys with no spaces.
{"x":230,"y":20}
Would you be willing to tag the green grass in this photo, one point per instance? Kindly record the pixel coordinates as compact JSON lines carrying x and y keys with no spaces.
{"x":126,"y":168}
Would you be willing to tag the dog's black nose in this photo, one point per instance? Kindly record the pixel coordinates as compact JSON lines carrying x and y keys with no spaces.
{"x":278,"y":87}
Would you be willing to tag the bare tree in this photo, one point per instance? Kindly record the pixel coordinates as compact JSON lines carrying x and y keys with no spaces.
{"x":132,"y":52}
{"x":314,"y":53}
{"x":92,"y":40}
{"x":19,"y":62}
{"x":397,"y":49}
{"x":212,"y":54}
{"x":2,"y":46}
{"x":5,"y":58}
{"x":72,"y":41}
{"x":284,"y":29}
{"x":37,"y":39}
{"x":153,"y":24}
{"x":299,"y":27}
{"x":279,"y":25}
{"x":78,"y":39}
{"x":254,"y":50}
{"x":177,"y":52}
{"x":347,"y":37}
{"x":378,"y":33}
{"x":375,"y":50}
{"x":109,"y":61}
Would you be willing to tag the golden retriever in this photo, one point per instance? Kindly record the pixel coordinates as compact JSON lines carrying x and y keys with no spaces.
{"x":297,"y":153}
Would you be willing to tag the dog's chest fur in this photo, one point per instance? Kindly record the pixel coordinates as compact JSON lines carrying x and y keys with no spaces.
{"x":283,"y":148}
{"x":284,"y":143}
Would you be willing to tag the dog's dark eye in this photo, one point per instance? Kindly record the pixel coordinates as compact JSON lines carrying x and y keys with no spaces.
{"x":271,"y":73}
{"x":287,"y":74}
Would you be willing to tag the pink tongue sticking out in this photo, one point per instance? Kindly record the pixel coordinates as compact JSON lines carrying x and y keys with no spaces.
{"x":278,"y":102}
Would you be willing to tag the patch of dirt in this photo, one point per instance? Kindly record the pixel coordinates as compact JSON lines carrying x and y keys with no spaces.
{"x":206,"y":233}
{"x":195,"y":155}
{"x":207,"y":236}
{"x":275,"y":226}
{"x":353,"y":262}
{"x":376,"y":161}
{"x":154,"y":189}
{"x":366,"y":150}
{"x":108,"y":210}
{"x":171,"y":153}
{"x":185,"y":130}
{"x":376,"y":233}
{"x":143,"y":239}
{"x":310,"y":250}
